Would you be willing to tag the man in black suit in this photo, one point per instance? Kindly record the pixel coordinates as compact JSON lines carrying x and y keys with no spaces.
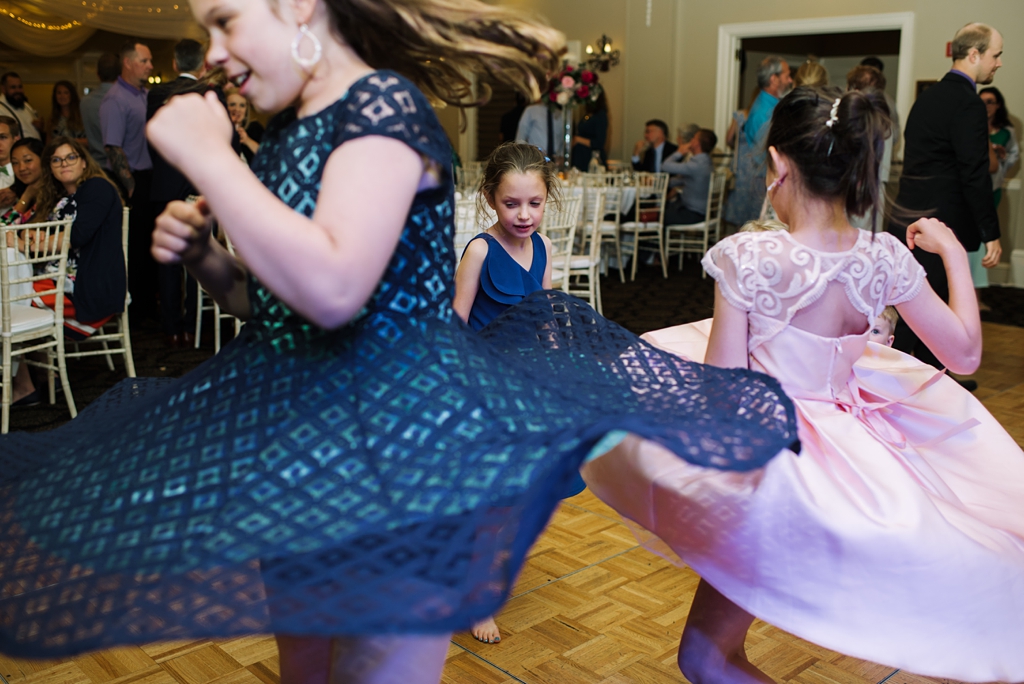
{"x":169,"y":184}
{"x":946,"y":162}
{"x":654,"y":148}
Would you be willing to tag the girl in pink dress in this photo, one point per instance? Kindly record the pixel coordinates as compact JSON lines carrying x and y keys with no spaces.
{"x":897,"y":533}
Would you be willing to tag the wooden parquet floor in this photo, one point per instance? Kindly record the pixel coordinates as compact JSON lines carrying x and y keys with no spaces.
{"x":591,"y":607}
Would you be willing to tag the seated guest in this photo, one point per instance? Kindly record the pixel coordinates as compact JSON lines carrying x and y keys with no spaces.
{"x":75,"y":186}
{"x":8,"y":136}
{"x":649,"y":153}
{"x":684,"y":134}
{"x":27,"y":164}
{"x":690,"y":203}
{"x":66,"y":113}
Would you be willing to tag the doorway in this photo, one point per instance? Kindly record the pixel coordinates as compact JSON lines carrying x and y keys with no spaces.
{"x":837,"y":53}
{"x":886,"y":32}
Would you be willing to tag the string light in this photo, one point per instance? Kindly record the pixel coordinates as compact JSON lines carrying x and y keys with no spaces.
{"x":41,"y":25}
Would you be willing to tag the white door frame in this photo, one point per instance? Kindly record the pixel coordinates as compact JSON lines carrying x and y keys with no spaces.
{"x":730,"y":35}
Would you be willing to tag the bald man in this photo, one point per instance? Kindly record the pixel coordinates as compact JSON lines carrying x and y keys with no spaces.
{"x":946,"y":162}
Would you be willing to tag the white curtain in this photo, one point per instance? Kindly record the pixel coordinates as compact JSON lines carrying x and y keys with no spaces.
{"x":144,"y":18}
{"x":40,"y":32}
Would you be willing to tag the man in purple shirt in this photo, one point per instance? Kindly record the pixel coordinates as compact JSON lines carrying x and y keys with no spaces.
{"x":123,"y":122}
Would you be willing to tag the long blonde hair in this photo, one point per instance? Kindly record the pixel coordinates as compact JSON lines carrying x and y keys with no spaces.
{"x":53,"y":190}
{"x":436,"y":43}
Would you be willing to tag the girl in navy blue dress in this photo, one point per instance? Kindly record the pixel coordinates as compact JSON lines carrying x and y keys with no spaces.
{"x":510,"y":259}
{"x":358,"y":469}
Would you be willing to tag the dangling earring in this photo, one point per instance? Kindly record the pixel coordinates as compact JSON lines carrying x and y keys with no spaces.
{"x":306,"y":63}
{"x":775,"y":184}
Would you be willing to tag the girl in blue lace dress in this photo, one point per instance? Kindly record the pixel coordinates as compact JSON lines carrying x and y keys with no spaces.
{"x":358,"y":469}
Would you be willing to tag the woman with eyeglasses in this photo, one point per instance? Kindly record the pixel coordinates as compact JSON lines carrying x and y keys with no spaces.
{"x":1003,"y":154}
{"x":75,"y":186}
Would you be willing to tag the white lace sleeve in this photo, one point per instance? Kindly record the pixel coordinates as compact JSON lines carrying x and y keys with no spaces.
{"x":725,"y":263}
{"x":908,"y":276}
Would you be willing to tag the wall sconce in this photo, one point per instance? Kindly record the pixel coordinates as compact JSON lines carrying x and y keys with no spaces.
{"x":603,"y":56}
{"x":156,"y":79}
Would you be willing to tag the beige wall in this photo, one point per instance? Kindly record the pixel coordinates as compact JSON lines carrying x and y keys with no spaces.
{"x":586,"y":21}
{"x":668,"y":69}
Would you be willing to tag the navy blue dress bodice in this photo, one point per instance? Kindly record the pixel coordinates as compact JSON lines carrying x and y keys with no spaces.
{"x":503,"y":282}
{"x":387,"y":476}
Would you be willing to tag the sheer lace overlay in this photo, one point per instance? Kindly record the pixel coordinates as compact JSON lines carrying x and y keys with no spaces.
{"x":772,"y":277}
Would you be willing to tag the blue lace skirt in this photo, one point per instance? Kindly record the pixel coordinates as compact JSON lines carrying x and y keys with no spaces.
{"x":388,"y":477}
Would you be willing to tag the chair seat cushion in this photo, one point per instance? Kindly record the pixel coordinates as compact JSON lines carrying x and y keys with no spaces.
{"x":640,"y":225}
{"x":582,"y":262}
{"x":26,"y":319}
{"x":695,"y":227}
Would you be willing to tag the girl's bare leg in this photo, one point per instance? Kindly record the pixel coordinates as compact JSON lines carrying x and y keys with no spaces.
{"x":711,"y":650}
{"x":21,"y":383}
{"x":388,"y":660}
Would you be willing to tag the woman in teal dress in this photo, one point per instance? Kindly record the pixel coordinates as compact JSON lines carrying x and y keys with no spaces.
{"x":357,"y":463}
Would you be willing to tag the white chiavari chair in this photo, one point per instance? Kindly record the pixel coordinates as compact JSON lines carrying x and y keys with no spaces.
{"x":122,"y":338}
{"x":695,"y":238}
{"x":610,"y":226}
{"x":559,"y":226}
{"x":649,"y":218}
{"x":25,"y":329}
{"x":204,"y":302}
{"x":585,"y":264}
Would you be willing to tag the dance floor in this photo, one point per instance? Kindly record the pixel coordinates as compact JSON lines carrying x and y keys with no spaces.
{"x":591,"y":606}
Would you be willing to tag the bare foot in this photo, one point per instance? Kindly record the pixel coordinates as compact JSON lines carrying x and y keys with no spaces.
{"x":486,"y":631}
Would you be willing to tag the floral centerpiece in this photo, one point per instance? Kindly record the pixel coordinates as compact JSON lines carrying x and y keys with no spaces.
{"x":574,"y":85}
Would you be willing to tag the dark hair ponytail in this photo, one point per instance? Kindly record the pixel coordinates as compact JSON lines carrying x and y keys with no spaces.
{"x":838,"y":159}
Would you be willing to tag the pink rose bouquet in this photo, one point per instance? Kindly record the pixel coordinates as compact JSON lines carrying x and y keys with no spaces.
{"x":574,"y":85}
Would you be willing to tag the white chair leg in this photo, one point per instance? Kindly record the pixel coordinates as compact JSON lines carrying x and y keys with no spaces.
{"x":5,"y":390}
{"x":129,"y":358}
{"x":618,"y":254}
{"x":62,"y":368}
{"x":199,"y":315}
{"x":661,"y":253}
{"x":216,"y":328}
{"x":51,"y":383}
{"x":110,"y":361}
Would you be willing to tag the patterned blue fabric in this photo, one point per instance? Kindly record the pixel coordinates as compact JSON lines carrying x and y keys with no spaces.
{"x":387,"y":476}
{"x":503,"y":282}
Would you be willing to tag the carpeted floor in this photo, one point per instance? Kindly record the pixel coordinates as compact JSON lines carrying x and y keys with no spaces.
{"x":648,"y":303}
